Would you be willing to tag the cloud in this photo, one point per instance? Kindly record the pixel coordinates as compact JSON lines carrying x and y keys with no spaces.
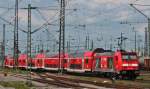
{"x":90,"y":20}
{"x":140,"y":29}
{"x":95,"y":12}
{"x":122,"y":16}
{"x":109,"y":1}
{"x":23,"y":16}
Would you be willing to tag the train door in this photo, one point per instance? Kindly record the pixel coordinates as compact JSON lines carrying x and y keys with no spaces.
{"x":40,"y":63}
{"x":110,"y":63}
{"x":65,"y":61}
{"x":87,"y":63}
{"x":97,"y":64}
{"x":104,"y":63}
{"x":116,"y":62}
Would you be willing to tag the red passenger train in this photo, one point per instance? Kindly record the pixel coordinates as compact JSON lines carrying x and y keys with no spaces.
{"x":117,"y":64}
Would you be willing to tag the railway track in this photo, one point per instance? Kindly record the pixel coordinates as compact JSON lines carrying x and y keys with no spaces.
{"x":142,"y":81}
{"x":79,"y":81}
{"x":62,"y":81}
{"x":55,"y":81}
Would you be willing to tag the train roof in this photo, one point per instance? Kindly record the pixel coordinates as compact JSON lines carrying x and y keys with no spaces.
{"x":40,"y":55}
{"x":98,"y":51}
{"x":105,"y":54}
{"x":9,"y":57}
{"x":57,"y":55}
{"x":22,"y":56}
{"x":77,"y":54}
{"x":126,"y":52}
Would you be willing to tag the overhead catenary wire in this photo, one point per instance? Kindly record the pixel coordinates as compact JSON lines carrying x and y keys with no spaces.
{"x":69,"y":25}
{"x":43,"y":19}
{"x":141,"y":5}
{"x":54,"y":24}
{"x":8,"y":22}
{"x":45,"y":24}
{"x":42,"y":15}
{"x":47,"y":31}
{"x":102,"y":14}
{"x":24,"y":8}
{"x":148,"y":19}
{"x":9,"y":9}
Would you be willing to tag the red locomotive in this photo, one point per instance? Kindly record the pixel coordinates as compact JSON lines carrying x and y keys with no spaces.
{"x":120,"y":64}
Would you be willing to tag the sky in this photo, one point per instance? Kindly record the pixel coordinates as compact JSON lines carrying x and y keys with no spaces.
{"x":98,"y":19}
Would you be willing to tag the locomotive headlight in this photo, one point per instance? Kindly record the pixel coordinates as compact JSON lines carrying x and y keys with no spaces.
{"x":134,"y":64}
{"x":125,"y":65}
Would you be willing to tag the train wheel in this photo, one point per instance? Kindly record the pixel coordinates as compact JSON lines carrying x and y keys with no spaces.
{"x":120,"y":77}
{"x":113,"y":76}
{"x":132,"y":77}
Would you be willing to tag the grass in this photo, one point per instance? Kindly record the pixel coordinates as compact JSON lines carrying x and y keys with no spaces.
{"x":14,"y":84}
{"x":120,"y":82}
{"x":132,"y":83}
{"x":19,"y":71}
{"x":144,"y":77}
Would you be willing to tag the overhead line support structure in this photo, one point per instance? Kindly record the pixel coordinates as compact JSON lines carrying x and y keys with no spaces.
{"x":148,"y":19}
{"x":62,"y":36}
{"x":3,"y":46}
{"x":121,"y":39}
{"x":146,"y":44}
{"x":29,"y":59}
{"x":16,"y":49}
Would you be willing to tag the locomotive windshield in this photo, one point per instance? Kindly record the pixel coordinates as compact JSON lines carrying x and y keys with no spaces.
{"x":129,"y":57}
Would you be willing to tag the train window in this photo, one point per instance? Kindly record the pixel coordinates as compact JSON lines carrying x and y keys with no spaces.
{"x":110,"y":62}
{"x":76,"y":66}
{"x":65,"y":60}
{"x":86,"y":60}
{"x":128,"y":57}
{"x":51,"y":65}
{"x":97,"y":65}
{"x":125,"y":57}
{"x":39,"y":61}
{"x":31,"y":64}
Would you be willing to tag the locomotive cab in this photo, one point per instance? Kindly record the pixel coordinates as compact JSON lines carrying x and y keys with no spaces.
{"x":126,"y":64}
